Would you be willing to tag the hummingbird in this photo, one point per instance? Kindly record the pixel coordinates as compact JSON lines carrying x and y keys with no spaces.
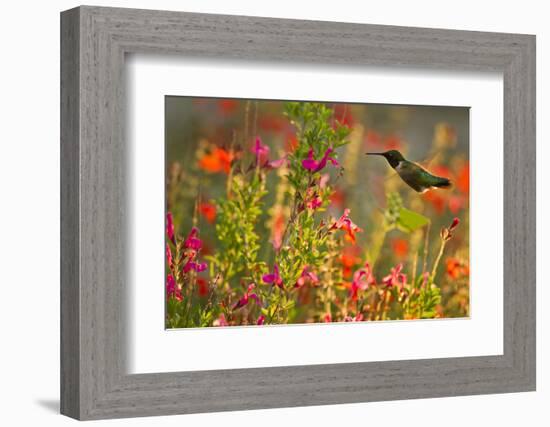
{"x":414,"y":175}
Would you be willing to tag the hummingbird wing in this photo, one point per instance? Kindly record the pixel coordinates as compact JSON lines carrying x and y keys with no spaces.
{"x":426,"y":163}
{"x":419,"y":179}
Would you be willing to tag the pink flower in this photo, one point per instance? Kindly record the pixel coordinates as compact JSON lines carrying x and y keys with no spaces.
{"x":314,"y":202}
{"x":170,"y":227}
{"x":274,"y":278}
{"x":395,"y":277}
{"x":306,"y":276}
{"x":247,"y":296}
{"x":262,"y":156}
{"x":358,"y":318}
{"x":315,"y":166}
{"x":192,"y":241}
{"x":172,"y":289}
{"x":327,"y":318}
{"x":261,"y":320}
{"x":362,"y":279}
{"x":260,"y":150}
{"x":345,"y":223}
{"x":192,"y":265}
{"x":220,"y":321}
{"x":274,"y":164}
{"x":323,"y":181}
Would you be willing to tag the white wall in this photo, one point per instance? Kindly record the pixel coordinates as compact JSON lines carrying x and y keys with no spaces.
{"x":29,"y":211}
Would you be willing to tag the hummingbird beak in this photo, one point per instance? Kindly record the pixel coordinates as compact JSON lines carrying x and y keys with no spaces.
{"x":375,"y":154}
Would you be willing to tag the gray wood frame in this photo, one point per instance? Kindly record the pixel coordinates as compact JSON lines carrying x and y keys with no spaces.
{"x":94,"y":41}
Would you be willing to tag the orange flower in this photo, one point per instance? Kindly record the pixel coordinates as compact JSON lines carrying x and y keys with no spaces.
{"x":337,"y":198}
{"x":291,"y":143}
{"x":208,"y":210}
{"x":219,"y":160}
{"x":436,"y":200}
{"x":349,"y":259}
{"x":400,"y":247}
{"x":457,"y":268}
{"x":228,"y":106}
{"x":463,"y":179}
{"x":456,"y":203}
{"x":392,"y":142}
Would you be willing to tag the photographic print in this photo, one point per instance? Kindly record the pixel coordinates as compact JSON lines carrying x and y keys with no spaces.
{"x":291,"y":212}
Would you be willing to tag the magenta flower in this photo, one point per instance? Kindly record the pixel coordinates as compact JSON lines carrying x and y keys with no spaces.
{"x":247,"y":296}
{"x":192,"y":265}
{"x":260,"y":150}
{"x":345,"y":223}
{"x":169,"y":258}
{"x":172,"y":289}
{"x":170,"y":227}
{"x":274,"y":278}
{"x":305,"y":277}
{"x":315,"y":166}
{"x":395,"y":277}
{"x":192,"y":241}
{"x":261,"y":320}
{"x":362,"y":279}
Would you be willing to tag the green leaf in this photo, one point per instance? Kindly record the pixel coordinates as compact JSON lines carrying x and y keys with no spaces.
{"x":410,"y":221}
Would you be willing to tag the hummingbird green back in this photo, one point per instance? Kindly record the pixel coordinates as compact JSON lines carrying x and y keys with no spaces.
{"x":414,"y":175}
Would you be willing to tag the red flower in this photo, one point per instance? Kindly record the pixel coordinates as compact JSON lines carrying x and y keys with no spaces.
{"x":313,"y":165}
{"x":170,"y":227}
{"x":208,"y":210}
{"x":246,"y":298}
{"x":345,"y":223}
{"x":454,"y":224}
{"x":203,"y":287}
{"x":172,"y":289}
{"x":447,"y":232}
{"x":274,"y":278}
{"x":400,"y":247}
{"x":260,"y":320}
{"x":395,"y":277}
{"x":327,"y":318}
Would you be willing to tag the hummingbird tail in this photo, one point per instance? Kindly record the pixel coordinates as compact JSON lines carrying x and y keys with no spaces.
{"x":443,"y":183}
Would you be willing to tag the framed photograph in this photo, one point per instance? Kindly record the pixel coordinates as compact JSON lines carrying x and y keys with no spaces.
{"x":262,"y":213}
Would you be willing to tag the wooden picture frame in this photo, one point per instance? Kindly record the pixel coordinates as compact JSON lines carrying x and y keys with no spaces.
{"x":94,"y":41}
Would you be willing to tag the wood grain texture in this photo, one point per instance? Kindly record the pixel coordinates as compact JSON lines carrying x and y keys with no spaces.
{"x":94,"y":382}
